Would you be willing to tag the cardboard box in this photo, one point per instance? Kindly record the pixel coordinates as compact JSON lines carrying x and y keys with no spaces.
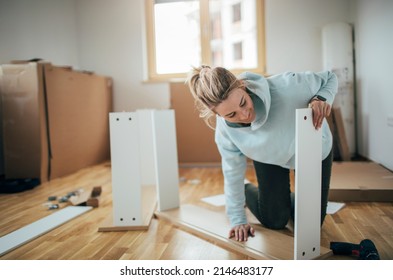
{"x":361,"y":181}
{"x":21,"y":122}
{"x":55,"y":120}
{"x":195,"y":140}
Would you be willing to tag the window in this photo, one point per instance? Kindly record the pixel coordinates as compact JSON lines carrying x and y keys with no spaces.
{"x":186,"y":33}
{"x":237,"y":51}
{"x":237,"y":12}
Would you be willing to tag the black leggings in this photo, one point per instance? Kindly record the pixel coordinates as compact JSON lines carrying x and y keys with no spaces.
{"x":271,"y":201}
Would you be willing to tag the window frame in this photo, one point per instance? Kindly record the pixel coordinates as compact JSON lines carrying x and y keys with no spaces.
{"x":152,"y":74}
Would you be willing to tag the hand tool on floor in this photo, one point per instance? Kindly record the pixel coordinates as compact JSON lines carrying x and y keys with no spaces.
{"x":366,"y":250}
{"x":87,"y":198}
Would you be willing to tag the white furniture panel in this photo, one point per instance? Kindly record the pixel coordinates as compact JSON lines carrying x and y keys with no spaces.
{"x":146,"y":151}
{"x":166,"y":163}
{"x":126,"y":178}
{"x":307,"y":187}
{"x":27,"y":233}
{"x":144,"y":167}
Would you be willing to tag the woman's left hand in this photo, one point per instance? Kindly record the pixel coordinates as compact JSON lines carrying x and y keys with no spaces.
{"x":320,"y":110}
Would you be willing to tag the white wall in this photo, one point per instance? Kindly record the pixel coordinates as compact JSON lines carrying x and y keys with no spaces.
{"x":98,"y":35}
{"x":107,"y":37}
{"x":293,"y":32}
{"x":38,"y":29}
{"x":374,"y":60}
{"x":110,"y":42}
{"x":293,"y":42}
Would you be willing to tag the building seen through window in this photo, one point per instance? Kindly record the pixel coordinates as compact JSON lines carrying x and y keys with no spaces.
{"x":189,"y":33}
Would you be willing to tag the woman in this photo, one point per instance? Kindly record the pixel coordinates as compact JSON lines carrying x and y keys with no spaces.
{"x":255,"y":118}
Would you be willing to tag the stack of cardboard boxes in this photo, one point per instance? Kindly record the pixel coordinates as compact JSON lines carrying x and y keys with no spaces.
{"x":54,"y":120}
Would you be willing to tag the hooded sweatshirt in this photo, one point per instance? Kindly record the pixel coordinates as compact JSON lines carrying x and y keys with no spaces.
{"x":270,"y":138}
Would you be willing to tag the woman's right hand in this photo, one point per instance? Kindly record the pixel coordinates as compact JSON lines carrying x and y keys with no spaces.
{"x":241,"y":232}
{"x":320,"y":110}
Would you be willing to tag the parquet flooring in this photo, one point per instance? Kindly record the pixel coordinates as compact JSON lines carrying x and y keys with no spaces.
{"x":79,"y":239}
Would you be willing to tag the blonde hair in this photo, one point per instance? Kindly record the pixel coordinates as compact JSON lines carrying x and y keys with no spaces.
{"x":209,"y":87}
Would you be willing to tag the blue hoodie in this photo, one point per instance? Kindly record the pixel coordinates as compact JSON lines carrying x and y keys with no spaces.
{"x":271,"y":136}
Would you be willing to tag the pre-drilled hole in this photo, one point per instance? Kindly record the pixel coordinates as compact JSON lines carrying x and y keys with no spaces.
{"x":305,"y":117}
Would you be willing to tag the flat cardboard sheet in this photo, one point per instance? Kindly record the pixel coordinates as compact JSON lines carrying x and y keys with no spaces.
{"x":78,"y":108}
{"x":195,"y":140}
{"x":361,"y":181}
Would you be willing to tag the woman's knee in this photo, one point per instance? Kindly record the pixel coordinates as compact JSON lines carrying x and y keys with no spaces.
{"x":276,"y":221}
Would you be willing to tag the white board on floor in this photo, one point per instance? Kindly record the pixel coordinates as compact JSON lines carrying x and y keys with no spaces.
{"x":213,"y":226}
{"x":307,"y":187}
{"x":27,"y":233}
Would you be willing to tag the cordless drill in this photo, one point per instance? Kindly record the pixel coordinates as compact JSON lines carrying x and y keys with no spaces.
{"x":366,"y":250}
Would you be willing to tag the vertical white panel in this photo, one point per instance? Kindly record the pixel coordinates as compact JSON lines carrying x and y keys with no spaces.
{"x":307,"y":187}
{"x":165,"y":147}
{"x":126,"y":181}
{"x":146,"y":149}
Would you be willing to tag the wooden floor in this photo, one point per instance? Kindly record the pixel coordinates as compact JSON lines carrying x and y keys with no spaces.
{"x":79,"y":238}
